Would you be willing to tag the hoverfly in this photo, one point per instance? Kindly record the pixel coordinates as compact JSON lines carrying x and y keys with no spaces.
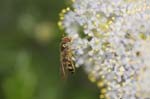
{"x":66,"y":57}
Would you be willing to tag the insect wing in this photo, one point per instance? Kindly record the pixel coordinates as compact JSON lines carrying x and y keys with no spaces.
{"x":63,"y":70}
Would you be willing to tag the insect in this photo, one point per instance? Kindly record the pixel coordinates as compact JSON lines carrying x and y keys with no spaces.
{"x":66,"y":57}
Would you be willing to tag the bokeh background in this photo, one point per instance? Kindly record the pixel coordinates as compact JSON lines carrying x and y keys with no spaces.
{"x":29,"y":53}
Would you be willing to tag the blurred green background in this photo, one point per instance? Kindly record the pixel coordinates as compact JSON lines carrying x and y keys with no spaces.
{"x":29,"y":53}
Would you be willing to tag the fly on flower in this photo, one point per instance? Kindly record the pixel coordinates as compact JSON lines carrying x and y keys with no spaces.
{"x":66,"y":57}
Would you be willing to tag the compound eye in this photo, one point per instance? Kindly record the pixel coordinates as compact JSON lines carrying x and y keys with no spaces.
{"x":64,"y":45}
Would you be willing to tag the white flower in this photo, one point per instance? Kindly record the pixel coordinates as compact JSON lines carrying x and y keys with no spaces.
{"x":111,"y":41}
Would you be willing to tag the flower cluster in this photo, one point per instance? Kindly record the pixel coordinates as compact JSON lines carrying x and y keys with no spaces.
{"x":111,"y":40}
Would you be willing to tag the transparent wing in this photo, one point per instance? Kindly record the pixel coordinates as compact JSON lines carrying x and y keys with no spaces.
{"x":63,"y":70}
